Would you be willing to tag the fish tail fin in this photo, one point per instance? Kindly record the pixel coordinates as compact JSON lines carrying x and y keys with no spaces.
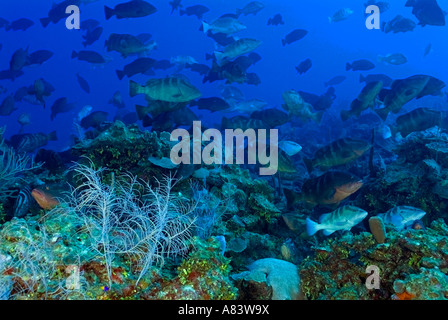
{"x":219,"y":57}
{"x":182,"y":12}
{"x":382,"y":113}
{"x":120,"y":74}
{"x":308,"y":164}
{"x":205,"y":26}
{"x":361,"y":78}
{"x":348,"y":66}
{"x":134,"y":88}
{"x":269,"y":21}
{"x":208,"y":56}
{"x":284,"y":42}
{"x":238,"y":13}
{"x":345,"y":115}
{"x":52,"y":136}
{"x":45,"y":22}
{"x":141,"y":111}
{"x":311,"y":227}
{"x":330,"y":19}
{"x":108,"y":12}
{"x":74,"y":54}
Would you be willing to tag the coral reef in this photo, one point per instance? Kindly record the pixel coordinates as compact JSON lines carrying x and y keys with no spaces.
{"x":337,"y":269}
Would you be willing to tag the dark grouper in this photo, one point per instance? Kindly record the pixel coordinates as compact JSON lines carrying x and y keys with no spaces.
{"x":337,"y":153}
{"x":131,"y":9}
{"x":329,"y":189}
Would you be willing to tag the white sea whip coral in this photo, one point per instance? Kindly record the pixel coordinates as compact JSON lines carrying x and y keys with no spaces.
{"x":130,"y":217}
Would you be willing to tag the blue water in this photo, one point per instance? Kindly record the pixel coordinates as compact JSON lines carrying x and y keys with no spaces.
{"x":329,"y":46}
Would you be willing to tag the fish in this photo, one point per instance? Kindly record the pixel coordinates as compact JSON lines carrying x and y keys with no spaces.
{"x":226,"y":25}
{"x":94,"y":120}
{"x":324,"y":101}
{"x":84,"y":112}
{"x":296,"y":106}
{"x":175,"y":5}
{"x":402,"y":216}
{"x":117,"y":100}
{"x":57,"y":12}
{"x":221,"y":39}
{"x":402,"y":91}
{"x":329,"y":189}
{"x":398,"y":24}
{"x":341,"y":15}
{"x":304,"y":66}
{"x":252,"y":79}
{"x":20,"y":24}
{"x":61,"y":106}
{"x":243,"y":123}
{"x":200,"y":68}
{"x":83,"y":83}
{"x":92,"y":36}
{"x":89,"y":24}
{"x":335,"y":81}
{"x":8,"y":106}
{"x":40,"y":89}
{"x":3,"y":23}
{"x":428,"y":12}
{"x":19,"y":59}
{"x":360,"y":65}
{"x":138,"y":66}
{"x":22,"y":203}
{"x":10,"y":74}
{"x":252,"y":7}
{"x":162,"y":64}
{"x":290,"y":147}
{"x":232,"y":93}
{"x":338,"y":152}
{"x":39,"y":57}
{"x":92,"y":57}
{"x":386,"y":80}
{"x":235,"y":49}
{"x":196,"y":10}
{"x":276,"y":20}
{"x":183,"y":60}
{"x":382,"y":5}
{"x":365,"y":100}
{"x":24,"y":119}
{"x":170,"y":89}
{"x":344,"y":218}
{"x":127,"y":44}
{"x":432,"y":88}
{"x":384,"y":131}
{"x":130,"y":9}
{"x":271,"y":116}
{"x":417,"y":120}
{"x":293,"y":36}
{"x":248,"y":106}
{"x":428,"y":50}
{"x":44,"y":199}
{"x":212,"y":104}
{"x":29,"y":142}
{"x":393,"y":58}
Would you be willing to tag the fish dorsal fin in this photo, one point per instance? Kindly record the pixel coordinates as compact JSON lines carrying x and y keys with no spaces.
{"x":327,"y":232}
{"x":323,"y":217}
